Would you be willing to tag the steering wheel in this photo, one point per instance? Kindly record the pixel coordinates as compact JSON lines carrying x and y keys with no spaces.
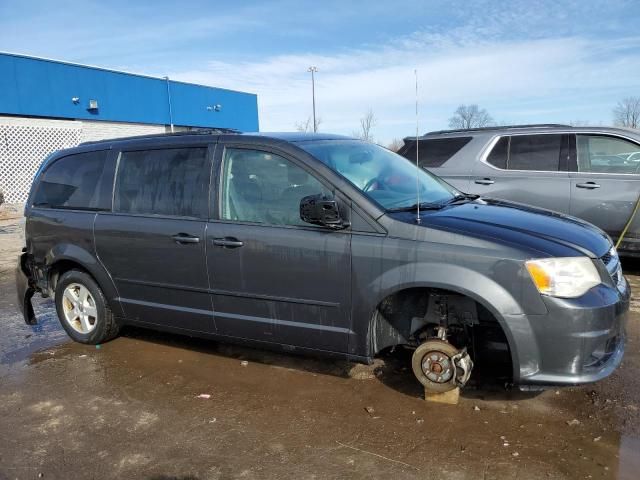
{"x":372,"y":182}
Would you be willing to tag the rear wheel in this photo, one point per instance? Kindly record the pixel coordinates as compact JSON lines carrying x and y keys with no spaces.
{"x":83,"y":310}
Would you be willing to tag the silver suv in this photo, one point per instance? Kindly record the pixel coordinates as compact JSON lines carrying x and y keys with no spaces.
{"x":589,"y":172}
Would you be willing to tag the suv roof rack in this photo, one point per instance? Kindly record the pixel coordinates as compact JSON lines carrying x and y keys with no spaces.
{"x":500,"y":127}
{"x":197,"y":131}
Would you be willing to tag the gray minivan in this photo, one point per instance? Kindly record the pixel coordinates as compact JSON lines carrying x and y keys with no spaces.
{"x":322,"y":244}
{"x":589,"y":172}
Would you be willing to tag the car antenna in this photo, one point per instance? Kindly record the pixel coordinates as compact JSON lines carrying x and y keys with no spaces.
{"x":415,"y":72}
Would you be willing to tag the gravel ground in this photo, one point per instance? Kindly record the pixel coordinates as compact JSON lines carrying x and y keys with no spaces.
{"x":156,"y":406}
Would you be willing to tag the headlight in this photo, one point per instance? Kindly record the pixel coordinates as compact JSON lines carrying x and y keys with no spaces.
{"x":563,"y":277}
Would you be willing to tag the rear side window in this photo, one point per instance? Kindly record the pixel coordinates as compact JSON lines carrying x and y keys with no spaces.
{"x":528,"y":152}
{"x":75,"y":182}
{"x":435,"y":152}
{"x":535,"y":152}
{"x":169,"y":182}
{"x":500,"y":153}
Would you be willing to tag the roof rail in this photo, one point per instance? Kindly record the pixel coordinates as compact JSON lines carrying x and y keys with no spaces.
{"x":500,"y":127}
{"x":196,"y":131}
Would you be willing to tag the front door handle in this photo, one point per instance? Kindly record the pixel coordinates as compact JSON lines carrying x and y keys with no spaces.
{"x":589,"y":185}
{"x":228,"y":242}
{"x":185,"y":238}
{"x":484,"y":181}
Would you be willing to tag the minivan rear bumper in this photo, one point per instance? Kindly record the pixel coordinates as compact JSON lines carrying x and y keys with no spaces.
{"x":25,"y":289}
{"x":579,"y":340}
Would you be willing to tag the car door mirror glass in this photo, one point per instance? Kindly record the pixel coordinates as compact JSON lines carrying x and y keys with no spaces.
{"x":321,"y":210}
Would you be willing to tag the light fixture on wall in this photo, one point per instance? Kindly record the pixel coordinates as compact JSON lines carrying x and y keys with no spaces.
{"x":214,"y":108}
{"x":93,"y":105}
{"x":75,"y":100}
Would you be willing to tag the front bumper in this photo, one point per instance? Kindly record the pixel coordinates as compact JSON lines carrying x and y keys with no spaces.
{"x":578,"y":341}
{"x":25,"y":289}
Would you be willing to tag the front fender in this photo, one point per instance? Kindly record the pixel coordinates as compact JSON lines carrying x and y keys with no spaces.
{"x":503,"y":304}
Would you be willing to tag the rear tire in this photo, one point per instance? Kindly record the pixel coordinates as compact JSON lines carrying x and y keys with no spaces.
{"x":83,"y":310}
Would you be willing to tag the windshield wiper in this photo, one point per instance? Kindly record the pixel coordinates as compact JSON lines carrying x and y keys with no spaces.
{"x":422,"y":205}
{"x":460,"y":197}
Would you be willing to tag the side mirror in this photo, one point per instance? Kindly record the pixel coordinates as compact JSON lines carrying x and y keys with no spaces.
{"x":321,"y":210}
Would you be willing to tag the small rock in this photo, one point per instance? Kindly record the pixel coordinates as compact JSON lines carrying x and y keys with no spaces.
{"x":505,"y":444}
{"x":244,"y":363}
{"x":597,"y":439}
{"x":573,"y":423}
{"x":476,"y":408}
{"x":370,"y":410}
{"x":213,"y":420}
{"x":81,"y":356}
{"x":206,"y":396}
{"x":413,"y":413}
{"x":502,"y":437}
{"x":557,"y":392}
{"x":420,"y":420}
{"x":40,"y":475}
{"x":515,"y":454}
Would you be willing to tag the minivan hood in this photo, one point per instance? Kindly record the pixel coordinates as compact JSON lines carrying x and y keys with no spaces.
{"x":530,"y":227}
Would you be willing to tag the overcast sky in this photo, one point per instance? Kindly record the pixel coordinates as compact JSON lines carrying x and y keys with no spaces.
{"x":524,"y":61}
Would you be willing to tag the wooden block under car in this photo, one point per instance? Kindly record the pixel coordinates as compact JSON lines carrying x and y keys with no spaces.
{"x":451,"y":397}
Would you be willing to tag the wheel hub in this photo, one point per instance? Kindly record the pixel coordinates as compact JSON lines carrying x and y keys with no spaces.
{"x":437,"y":367}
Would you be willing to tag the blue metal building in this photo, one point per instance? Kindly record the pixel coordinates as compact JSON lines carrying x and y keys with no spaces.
{"x":46,"y":105}
{"x":44,"y":88}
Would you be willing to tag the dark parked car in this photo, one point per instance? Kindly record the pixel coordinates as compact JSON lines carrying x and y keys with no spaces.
{"x":314,"y":243}
{"x":589,"y":172}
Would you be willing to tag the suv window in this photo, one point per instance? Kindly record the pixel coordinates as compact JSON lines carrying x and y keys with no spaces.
{"x":435,"y":152}
{"x":498,"y":156}
{"x":534,"y":152}
{"x":171,"y":182}
{"x":604,"y":154}
{"x":263,"y":187}
{"x":74,"y":182}
{"x":528,"y":152}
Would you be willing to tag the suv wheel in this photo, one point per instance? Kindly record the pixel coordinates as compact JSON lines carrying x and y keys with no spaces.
{"x":83,"y":310}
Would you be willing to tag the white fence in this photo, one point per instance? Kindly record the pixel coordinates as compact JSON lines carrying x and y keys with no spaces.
{"x":25,"y":143}
{"x":22,"y":150}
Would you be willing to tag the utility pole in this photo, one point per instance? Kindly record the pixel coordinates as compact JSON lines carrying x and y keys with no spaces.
{"x":313,"y":71}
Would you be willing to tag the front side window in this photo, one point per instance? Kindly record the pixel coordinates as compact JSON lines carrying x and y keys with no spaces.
{"x":385,"y":177}
{"x":167,"y":182}
{"x":604,"y":154}
{"x":73,"y":182}
{"x":263,"y":187}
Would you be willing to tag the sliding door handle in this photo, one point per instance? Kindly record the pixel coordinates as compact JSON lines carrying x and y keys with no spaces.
{"x":185,"y":238}
{"x":228,"y":242}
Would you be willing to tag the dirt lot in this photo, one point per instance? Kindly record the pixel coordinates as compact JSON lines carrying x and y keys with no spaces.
{"x":132,"y":409}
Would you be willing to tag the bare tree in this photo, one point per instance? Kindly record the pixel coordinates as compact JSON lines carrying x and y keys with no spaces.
{"x":580,"y":123}
{"x":307,"y":125}
{"x":395,"y":144}
{"x":470,"y":116}
{"x":366,"y":125}
{"x":627,"y":113}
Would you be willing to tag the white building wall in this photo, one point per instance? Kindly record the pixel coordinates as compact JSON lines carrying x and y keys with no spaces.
{"x":25,"y":143}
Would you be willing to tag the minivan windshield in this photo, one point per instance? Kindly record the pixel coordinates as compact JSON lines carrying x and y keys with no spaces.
{"x":385,"y":177}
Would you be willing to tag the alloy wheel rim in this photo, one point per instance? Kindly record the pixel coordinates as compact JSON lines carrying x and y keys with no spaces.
{"x":79,"y":308}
